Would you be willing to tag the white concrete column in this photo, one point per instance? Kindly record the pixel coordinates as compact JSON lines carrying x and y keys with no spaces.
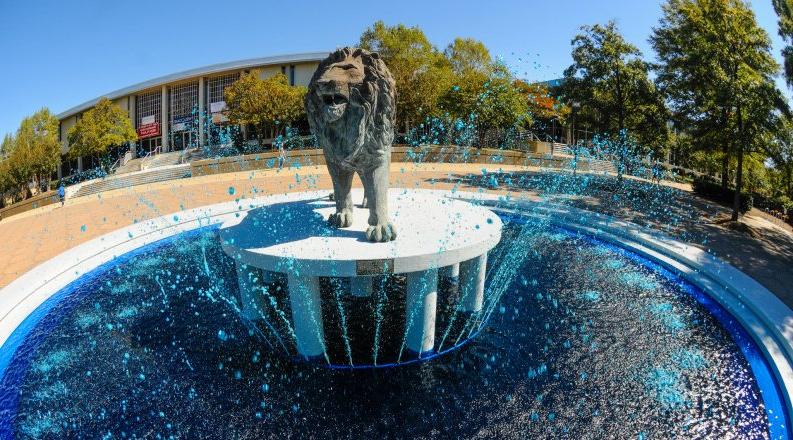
{"x":452,"y":271}
{"x":361,"y":286}
{"x":201,"y":110}
{"x":164,"y":119}
{"x":80,"y":164}
{"x":251,"y":299}
{"x":307,"y":315}
{"x":422,"y":298}
{"x":133,"y":109}
{"x":472,"y":283}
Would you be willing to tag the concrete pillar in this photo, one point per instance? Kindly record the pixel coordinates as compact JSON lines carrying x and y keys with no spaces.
{"x":201,"y":111}
{"x":422,"y":298}
{"x":452,"y":271}
{"x":472,"y":283}
{"x":251,"y":298}
{"x":60,"y":171}
{"x":164,"y":119}
{"x":361,"y":286}
{"x":307,"y":315}
{"x":133,"y":116}
{"x":80,"y":164}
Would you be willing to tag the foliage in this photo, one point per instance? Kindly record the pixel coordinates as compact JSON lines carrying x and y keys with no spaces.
{"x":468,"y":55}
{"x":784,"y":9}
{"x":37,"y":142}
{"x":541,"y":105}
{"x":269,"y":105}
{"x":105,"y":125}
{"x":611,"y":84}
{"x":486,"y":101}
{"x":717,"y":70}
{"x":421,"y":72}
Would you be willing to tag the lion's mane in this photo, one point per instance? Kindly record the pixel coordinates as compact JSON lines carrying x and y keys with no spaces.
{"x":373,"y":129}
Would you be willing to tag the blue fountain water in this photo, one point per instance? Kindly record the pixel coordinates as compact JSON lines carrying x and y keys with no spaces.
{"x":577,"y":338}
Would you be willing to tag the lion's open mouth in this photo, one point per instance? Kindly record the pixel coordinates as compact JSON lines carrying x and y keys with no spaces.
{"x":334,"y":106}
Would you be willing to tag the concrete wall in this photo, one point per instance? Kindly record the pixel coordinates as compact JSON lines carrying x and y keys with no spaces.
{"x":304,"y":72}
{"x":66,"y":124}
{"x":399,"y":153}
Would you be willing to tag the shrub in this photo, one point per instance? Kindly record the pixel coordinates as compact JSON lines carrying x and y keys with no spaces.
{"x":711,"y":189}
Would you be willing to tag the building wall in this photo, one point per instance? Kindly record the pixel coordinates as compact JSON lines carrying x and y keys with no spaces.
{"x":304,"y":72}
{"x":302,"y":76}
{"x":66,"y":124}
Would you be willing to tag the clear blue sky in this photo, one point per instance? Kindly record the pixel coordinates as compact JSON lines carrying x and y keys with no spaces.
{"x":61,"y":53}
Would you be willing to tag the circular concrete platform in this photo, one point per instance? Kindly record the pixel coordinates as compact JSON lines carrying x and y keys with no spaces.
{"x":438,"y":236}
{"x":293,"y":236}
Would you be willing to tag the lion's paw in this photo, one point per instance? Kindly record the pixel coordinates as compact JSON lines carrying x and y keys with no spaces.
{"x":381,"y":232}
{"x":341,"y":219}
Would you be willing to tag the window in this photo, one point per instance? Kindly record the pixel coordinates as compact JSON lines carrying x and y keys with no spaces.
{"x":292,"y":75}
{"x":184,"y":98}
{"x":217,"y":85}
{"x":148,"y":104}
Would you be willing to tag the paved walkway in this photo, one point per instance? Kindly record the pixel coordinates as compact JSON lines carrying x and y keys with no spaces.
{"x":760,"y":248}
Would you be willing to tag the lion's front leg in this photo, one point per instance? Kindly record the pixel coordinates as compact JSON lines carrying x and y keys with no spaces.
{"x":342,"y":183}
{"x":376,"y":186}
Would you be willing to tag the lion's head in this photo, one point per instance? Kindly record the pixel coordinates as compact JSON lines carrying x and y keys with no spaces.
{"x":351,"y":107}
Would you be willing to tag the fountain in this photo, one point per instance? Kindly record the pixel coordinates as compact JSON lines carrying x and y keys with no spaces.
{"x":492,"y":312}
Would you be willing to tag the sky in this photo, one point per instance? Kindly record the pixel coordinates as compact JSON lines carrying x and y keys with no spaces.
{"x":59,"y":54}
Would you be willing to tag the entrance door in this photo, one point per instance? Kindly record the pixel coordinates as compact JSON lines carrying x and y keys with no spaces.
{"x":182,"y":140}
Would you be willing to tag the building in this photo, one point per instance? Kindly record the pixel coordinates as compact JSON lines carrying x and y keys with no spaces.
{"x":160,"y":108}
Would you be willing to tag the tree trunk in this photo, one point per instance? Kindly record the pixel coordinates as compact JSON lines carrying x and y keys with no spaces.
{"x":725,"y":167}
{"x":736,"y":201}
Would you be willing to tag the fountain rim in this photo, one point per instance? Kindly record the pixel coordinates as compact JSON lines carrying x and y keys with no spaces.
{"x":760,"y":312}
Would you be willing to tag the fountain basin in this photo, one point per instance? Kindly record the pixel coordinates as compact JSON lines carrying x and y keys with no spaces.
{"x":506,"y":373}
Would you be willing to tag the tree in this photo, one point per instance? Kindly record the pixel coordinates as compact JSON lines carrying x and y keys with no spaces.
{"x":541,"y":105}
{"x":421,"y":72}
{"x":468,"y":55}
{"x":611,"y":83}
{"x":716,"y":68}
{"x":100,"y":128}
{"x":269,"y":105}
{"x":6,"y":181}
{"x":784,"y":9}
{"x":488,"y":101}
{"x":37,"y":139}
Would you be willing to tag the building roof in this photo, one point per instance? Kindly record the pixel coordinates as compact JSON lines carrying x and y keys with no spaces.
{"x":200,"y":71}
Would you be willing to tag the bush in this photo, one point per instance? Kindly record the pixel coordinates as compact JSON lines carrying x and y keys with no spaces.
{"x":711,"y":189}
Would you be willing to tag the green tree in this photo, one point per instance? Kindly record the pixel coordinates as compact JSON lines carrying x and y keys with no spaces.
{"x":421,"y":72}
{"x":468,"y":55}
{"x":37,"y":140}
{"x":6,"y":180}
{"x":100,"y":128}
{"x":716,"y":68}
{"x":611,"y":83}
{"x":784,"y":9}
{"x":269,"y":105}
{"x":488,"y":101}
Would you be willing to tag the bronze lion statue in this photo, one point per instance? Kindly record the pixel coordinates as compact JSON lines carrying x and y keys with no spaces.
{"x":351,"y":107}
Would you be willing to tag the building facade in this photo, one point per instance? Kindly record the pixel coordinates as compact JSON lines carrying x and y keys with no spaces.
{"x":163,"y":110}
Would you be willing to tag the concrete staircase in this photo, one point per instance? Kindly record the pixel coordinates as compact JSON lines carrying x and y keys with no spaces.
{"x":162,"y":160}
{"x":128,"y":180}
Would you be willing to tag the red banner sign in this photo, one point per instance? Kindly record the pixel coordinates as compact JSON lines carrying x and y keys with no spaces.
{"x":149,"y":130}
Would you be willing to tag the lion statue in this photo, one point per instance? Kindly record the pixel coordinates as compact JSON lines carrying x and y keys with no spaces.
{"x":351,"y":107}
